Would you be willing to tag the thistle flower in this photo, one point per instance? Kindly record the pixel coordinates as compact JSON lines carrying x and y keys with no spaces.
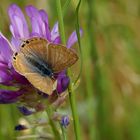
{"x":22,"y":90}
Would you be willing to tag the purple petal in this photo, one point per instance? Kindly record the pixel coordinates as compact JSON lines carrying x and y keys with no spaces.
{"x":44,"y":17}
{"x":62,"y":82}
{"x":25,"y":111}
{"x":55,"y":32}
{"x":65,"y":121}
{"x":35,"y":35}
{"x":19,"y":78}
{"x":5,"y":77}
{"x":18,"y":27}
{"x":57,"y":40}
{"x":3,"y":66}
{"x":15,"y":43}
{"x":7,"y":96}
{"x":38,"y":25}
{"x":72,"y":39}
{"x":4,"y":38}
{"x":5,"y":50}
{"x":35,"y":26}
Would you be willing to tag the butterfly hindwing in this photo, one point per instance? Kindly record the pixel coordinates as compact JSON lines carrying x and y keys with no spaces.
{"x":44,"y":84}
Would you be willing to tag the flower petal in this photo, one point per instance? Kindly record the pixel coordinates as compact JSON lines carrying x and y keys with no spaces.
{"x":65,"y":120}
{"x":7,"y":96}
{"x":57,"y":40}
{"x":44,"y":17}
{"x":62,"y":82}
{"x":5,"y":50}
{"x":25,"y":111}
{"x":15,"y":44}
{"x":72,"y":39}
{"x":38,"y":25}
{"x":55,"y":32}
{"x":5,"y":77}
{"x":18,"y":27}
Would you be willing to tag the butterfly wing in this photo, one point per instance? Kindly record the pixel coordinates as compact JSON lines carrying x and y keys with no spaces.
{"x":36,"y":47}
{"x":20,"y":64}
{"x":60,"y":57}
{"x":44,"y":84}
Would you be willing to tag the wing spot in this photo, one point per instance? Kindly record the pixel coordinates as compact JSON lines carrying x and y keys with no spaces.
{"x":23,"y":45}
{"x":27,"y":41}
{"x":14,"y":58}
{"x":16,"y":54}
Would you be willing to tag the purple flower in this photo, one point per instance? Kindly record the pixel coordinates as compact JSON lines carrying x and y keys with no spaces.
{"x":65,"y":121}
{"x":62,"y":82}
{"x":22,"y":89}
{"x":25,"y":111}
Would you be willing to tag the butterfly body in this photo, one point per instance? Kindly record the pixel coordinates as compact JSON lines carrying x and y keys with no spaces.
{"x":38,"y":60}
{"x":40,"y":66}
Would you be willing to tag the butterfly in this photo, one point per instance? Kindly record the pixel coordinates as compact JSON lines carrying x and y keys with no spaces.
{"x":39,"y":60}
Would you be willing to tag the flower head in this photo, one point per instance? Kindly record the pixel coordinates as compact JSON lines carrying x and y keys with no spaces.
{"x":22,"y":90}
{"x":65,"y":121}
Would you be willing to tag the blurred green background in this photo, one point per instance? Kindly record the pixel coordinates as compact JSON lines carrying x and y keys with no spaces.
{"x":108,"y":97}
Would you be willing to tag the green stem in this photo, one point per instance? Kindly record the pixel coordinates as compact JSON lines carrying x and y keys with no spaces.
{"x":63,"y":132}
{"x":65,"y":7}
{"x":74,"y":112}
{"x":60,"y":19}
{"x":79,"y":41}
{"x":71,"y":93}
{"x":54,"y":129}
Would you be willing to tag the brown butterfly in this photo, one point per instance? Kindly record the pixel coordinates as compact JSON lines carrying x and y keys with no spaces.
{"x":38,"y":60}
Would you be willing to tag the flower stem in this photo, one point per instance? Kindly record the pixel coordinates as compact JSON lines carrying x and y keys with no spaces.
{"x":54,"y":129}
{"x":74,"y":112}
{"x":60,"y":19}
{"x":63,"y":132}
{"x":66,"y":6}
{"x":71,"y":93}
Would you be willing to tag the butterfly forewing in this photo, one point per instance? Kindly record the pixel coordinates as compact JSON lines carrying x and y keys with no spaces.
{"x":36,"y":47}
{"x":20,"y":64}
{"x":60,"y":57}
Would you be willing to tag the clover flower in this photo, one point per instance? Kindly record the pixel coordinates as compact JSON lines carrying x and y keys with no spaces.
{"x":22,"y":90}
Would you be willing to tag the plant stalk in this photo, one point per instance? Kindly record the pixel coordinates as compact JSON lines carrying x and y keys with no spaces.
{"x":71,"y":93}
